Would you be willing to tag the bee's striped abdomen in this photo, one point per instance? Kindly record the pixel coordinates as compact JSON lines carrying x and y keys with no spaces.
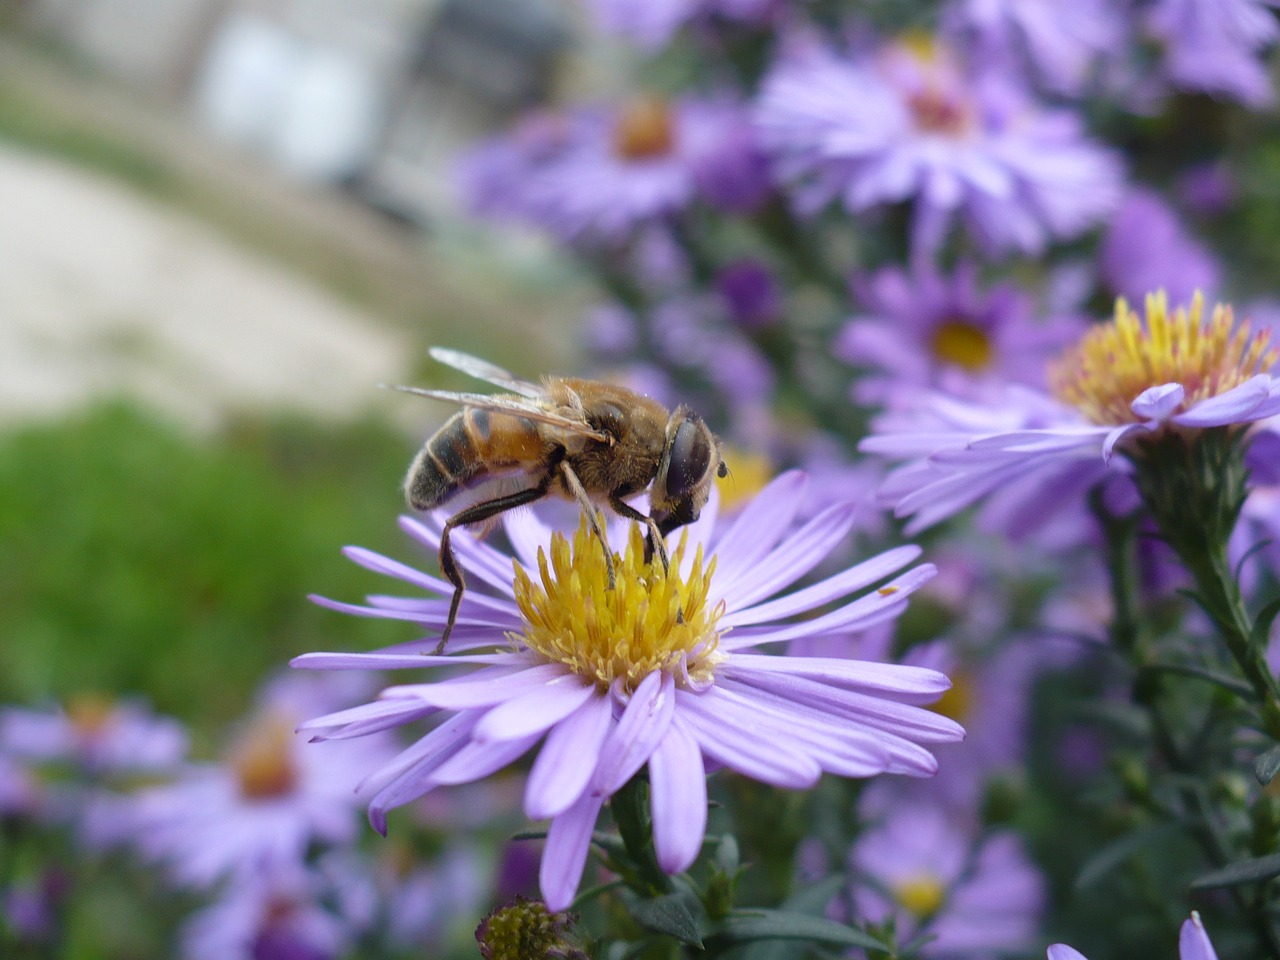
{"x":470,"y":445}
{"x":446,"y":462}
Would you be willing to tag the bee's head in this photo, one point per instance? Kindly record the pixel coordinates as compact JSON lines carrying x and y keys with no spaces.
{"x":690,"y":463}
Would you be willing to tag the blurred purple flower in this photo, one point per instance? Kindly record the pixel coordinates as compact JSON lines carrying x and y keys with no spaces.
{"x":1208,"y":189}
{"x":1216,"y":46}
{"x":924,"y":329}
{"x":1147,"y":248}
{"x":908,"y":124}
{"x":272,"y":798}
{"x":680,"y":695}
{"x":979,"y":897}
{"x":272,"y":913}
{"x":1055,"y":42}
{"x":751,"y":293}
{"x":599,"y":173}
{"x":95,"y":737}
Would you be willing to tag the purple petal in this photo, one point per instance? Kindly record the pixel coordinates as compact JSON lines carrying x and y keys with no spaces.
{"x":484,"y":688}
{"x":568,"y":759}
{"x":476,"y":760}
{"x":1060,"y":951}
{"x":397,"y":661}
{"x":742,"y":743}
{"x":535,"y":711}
{"x":840,"y":585}
{"x":1193,"y":942}
{"x":760,"y":525}
{"x":1235,"y":406}
{"x":803,"y":550}
{"x":678,"y":794}
{"x":367,"y":718}
{"x":639,"y":730}
{"x":1157,"y":403}
{"x":407,"y":777}
{"x":565,"y":854}
{"x":914,"y":684}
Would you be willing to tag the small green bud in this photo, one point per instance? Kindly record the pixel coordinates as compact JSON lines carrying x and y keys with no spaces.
{"x":525,"y":930}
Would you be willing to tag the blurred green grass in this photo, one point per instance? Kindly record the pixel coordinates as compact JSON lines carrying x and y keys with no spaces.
{"x":140,"y":559}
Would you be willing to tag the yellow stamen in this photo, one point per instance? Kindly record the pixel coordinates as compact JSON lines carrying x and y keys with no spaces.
{"x":263,"y":759}
{"x":962,"y":344}
{"x":644,"y":130}
{"x":1114,"y":362}
{"x":749,"y":472}
{"x":920,"y":895}
{"x":649,"y":621}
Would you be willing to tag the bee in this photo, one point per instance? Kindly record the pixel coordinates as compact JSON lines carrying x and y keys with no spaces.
{"x":593,"y":442}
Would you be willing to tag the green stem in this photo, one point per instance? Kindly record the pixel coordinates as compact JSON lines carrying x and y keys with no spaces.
{"x":630,"y":808}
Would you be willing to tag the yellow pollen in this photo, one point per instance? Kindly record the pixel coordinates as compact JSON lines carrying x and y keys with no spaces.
{"x":887,"y":591}
{"x":90,"y":713}
{"x":1114,"y":362}
{"x":921,"y":895}
{"x":263,"y":759}
{"x":644,"y":130}
{"x":649,"y":620}
{"x":961,"y":343}
{"x":957,"y":700}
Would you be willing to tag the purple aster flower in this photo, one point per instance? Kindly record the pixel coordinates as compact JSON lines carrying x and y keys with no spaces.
{"x":751,"y":293}
{"x":1147,"y":248}
{"x":1128,"y":381}
{"x":662,"y":670}
{"x":95,"y":736}
{"x":1056,"y":42}
{"x":925,"y":329}
{"x":273,"y":913}
{"x":908,"y":124}
{"x":1215,"y":46}
{"x":1193,"y":944}
{"x":598,"y":174}
{"x":651,"y":23}
{"x":979,"y":897}
{"x":271,"y":798}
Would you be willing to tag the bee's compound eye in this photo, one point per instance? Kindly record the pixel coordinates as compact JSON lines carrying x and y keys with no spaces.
{"x":690,"y":458}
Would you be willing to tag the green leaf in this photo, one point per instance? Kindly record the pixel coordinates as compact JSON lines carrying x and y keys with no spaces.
{"x":759,"y":924}
{"x":1237,"y":686}
{"x":669,"y":915}
{"x":1260,"y":635}
{"x":1256,"y":870}
{"x":1118,"y":851}
{"x":810,"y":900}
{"x":1267,"y":766}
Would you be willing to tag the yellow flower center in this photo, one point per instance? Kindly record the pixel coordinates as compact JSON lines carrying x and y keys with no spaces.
{"x":1114,"y":362}
{"x":263,"y":759}
{"x":649,"y":621}
{"x":749,"y":472}
{"x":921,"y":895}
{"x":644,"y":130}
{"x":90,"y":714}
{"x":961,"y":343}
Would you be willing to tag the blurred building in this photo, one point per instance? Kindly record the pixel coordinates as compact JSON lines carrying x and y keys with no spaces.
{"x":375,"y":95}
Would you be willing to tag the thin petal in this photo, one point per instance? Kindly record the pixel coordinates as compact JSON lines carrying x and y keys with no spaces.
{"x":407,"y":777}
{"x":484,"y":688}
{"x":1237,"y":405}
{"x":536,"y":711}
{"x":1193,"y":941}
{"x":918,"y":684}
{"x":398,"y":661}
{"x":1157,"y":403}
{"x":568,"y":759}
{"x":738,"y":743}
{"x":1060,"y":951}
{"x":639,"y":730}
{"x":476,"y":760}
{"x":760,"y":525}
{"x":678,"y":794}
{"x":565,"y":855}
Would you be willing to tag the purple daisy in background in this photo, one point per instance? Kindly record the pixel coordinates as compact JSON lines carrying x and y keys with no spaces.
{"x":598,"y":174}
{"x":1193,"y":944}
{"x":1058,"y":44}
{"x":268,"y":802}
{"x":925,"y":329}
{"x":662,"y":670}
{"x":908,"y":123}
{"x":931,"y":873}
{"x":1146,"y":247}
{"x":1126,"y":382}
{"x":1216,"y":46}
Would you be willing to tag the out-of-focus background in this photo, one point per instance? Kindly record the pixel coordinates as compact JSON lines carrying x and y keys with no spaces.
{"x":222,"y":224}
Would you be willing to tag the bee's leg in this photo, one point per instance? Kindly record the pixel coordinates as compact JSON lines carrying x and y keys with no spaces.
{"x":593,"y":516}
{"x":476,"y":513}
{"x":653,"y":542}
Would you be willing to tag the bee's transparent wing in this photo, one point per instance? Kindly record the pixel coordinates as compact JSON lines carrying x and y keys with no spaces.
{"x":484,"y":370}
{"x":515,"y":406}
